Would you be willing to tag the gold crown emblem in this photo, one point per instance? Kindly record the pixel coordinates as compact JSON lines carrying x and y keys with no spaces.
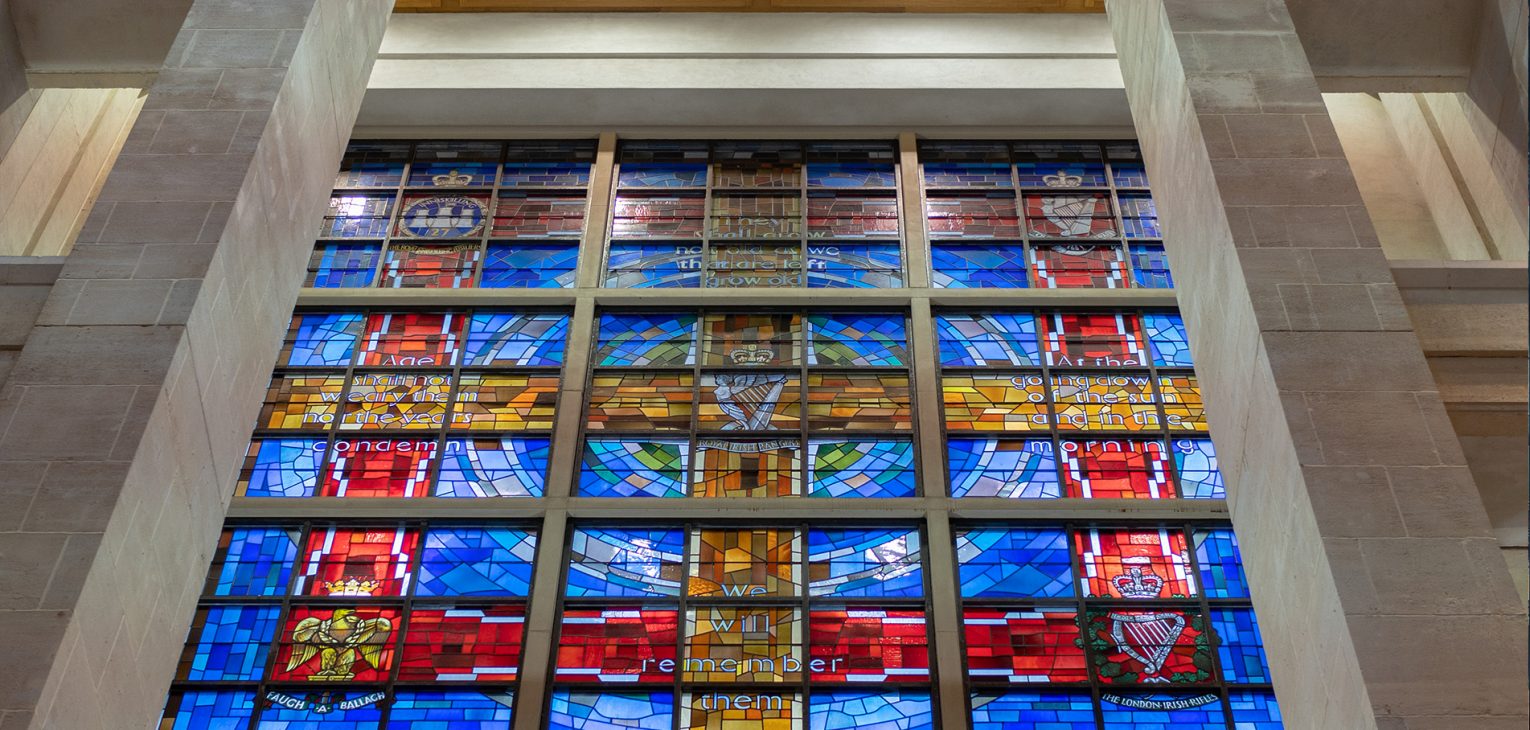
{"x":453,"y":179}
{"x":1063,"y":180}
{"x":751,"y":356}
{"x":351,"y":587}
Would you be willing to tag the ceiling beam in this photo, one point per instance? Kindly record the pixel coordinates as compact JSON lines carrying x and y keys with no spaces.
{"x":752,"y":6}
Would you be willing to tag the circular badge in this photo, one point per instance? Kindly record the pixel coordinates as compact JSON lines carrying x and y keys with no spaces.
{"x":443,"y":217}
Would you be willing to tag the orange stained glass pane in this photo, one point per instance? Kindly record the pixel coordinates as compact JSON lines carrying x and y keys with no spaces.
{"x":726,"y":645}
{"x":406,"y":401}
{"x":1182,"y":405}
{"x":749,"y":402}
{"x":751,"y":339}
{"x":859,"y":402}
{"x":747,"y":468}
{"x":305,"y":402}
{"x":505,"y":402}
{"x":1136,"y":564}
{"x":640,"y":402}
{"x":759,"y":562}
{"x":995,"y":402}
{"x":1104,"y":402}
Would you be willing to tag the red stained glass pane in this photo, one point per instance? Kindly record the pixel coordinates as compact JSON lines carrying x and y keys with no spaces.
{"x":430,"y":267}
{"x":617,"y":645}
{"x":379,"y":468}
{"x":336,"y":644}
{"x":521,"y":215}
{"x":1065,"y":266}
{"x":1081,"y":215}
{"x":1116,"y":469}
{"x":855,"y":645}
{"x":411,"y":339}
{"x":1025,"y":645}
{"x":1084,"y":339}
{"x":1150,"y":646}
{"x":1135,"y":564}
{"x":356,"y":562}
{"x":463,"y":644}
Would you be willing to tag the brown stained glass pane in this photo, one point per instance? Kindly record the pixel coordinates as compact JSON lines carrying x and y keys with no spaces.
{"x":973,"y":216}
{"x":852,"y":216}
{"x":1075,"y":265}
{"x":995,"y":403}
{"x":1182,"y":404}
{"x":1104,"y":402}
{"x":727,"y":645}
{"x":753,"y":265}
{"x":751,"y":339}
{"x":749,"y":402}
{"x":859,"y":402}
{"x":1024,"y":645}
{"x":411,"y":266}
{"x":522,"y":215}
{"x":1080,"y":215}
{"x":747,"y":469}
{"x":658,"y":216}
{"x":756,"y":216}
{"x":306,"y":402}
{"x":640,"y":402}
{"x":396,"y":401}
{"x":759,"y":562}
{"x":505,"y":402}
{"x":779,"y":175}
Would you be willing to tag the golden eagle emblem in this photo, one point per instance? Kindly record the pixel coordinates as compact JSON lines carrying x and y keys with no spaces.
{"x":339,"y":640}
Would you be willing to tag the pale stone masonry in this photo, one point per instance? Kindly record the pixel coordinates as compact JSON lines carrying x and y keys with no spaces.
{"x":124,"y":419}
{"x":1382,"y":600}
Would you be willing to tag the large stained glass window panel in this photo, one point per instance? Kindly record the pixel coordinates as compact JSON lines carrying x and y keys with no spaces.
{"x":652,"y":467}
{"x":494,"y":467}
{"x":754,"y":562}
{"x":209,"y":710}
{"x":625,"y":562}
{"x":646,"y":340}
{"x":229,"y":643}
{"x":462,"y":644}
{"x":286,"y":467}
{"x":617,"y":644}
{"x":1017,"y":562}
{"x":343,"y":265}
{"x":987,"y":340}
{"x":322,"y":339}
{"x":1221,"y":565}
{"x":337,"y":644}
{"x":875,"y":710}
{"x":449,"y":710}
{"x":1135,"y":563}
{"x":496,"y":339}
{"x":1041,"y":710}
{"x":1010,"y":468}
{"x":476,"y":561}
{"x":979,"y":266}
{"x":1037,"y":645}
{"x":253,"y":561}
{"x":1120,"y":469}
{"x":865,"y":563}
{"x":1162,"y":711}
{"x":582,"y":710}
{"x":861,"y":468}
{"x":868,"y":645}
{"x":344,"y":561}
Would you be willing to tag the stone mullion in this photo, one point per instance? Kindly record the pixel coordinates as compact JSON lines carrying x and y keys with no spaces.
{"x":1381,"y":608}
{"x":597,"y":214}
{"x":916,"y":246}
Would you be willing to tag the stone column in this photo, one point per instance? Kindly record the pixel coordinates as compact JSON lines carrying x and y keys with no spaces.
{"x":1382,"y":598}
{"x":13,"y":71}
{"x":125,"y":418}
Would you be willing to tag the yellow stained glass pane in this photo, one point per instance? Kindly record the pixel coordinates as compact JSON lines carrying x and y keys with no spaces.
{"x":751,"y":339}
{"x":756,"y":644}
{"x":859,"y":402}
{"x":995,"y":403}
{"x":749,"y":402}
{"x":505,"y":402}
{"x":306,"y":402}
{"x":1182,"y":404}
{"x":747,"y":468}
{"x":1104,"y":402}
{"x":714,"y":710}
{"x":640,"y":402}
{"x":758,"y":562}
{"x":407,"y":401}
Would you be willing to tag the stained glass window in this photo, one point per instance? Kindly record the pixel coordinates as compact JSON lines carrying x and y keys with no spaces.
{"x":744,"y":215}
{"x":253,"y":561}
{"x":1014,"y":563}
{"x":1037,"y":645}
{"x":208,"y":710}
{"x":476,"y":561}
{"x":1010,"y":468}
{"x":450,"y":710}
{"x":625,"y":562}
{"x":584,"y":710}
{"x":1046,"y":710}
{"x":875,"y":710}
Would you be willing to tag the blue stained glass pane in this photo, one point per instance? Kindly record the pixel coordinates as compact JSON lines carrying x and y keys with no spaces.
{"x":211,"y":710}
{"x":634,"y":468}
{"x":1221,"y":564}
{"x":233,"y":643}
{"x":610,"y":711}
{"x":625,"y":562}
{"x":476,"y":561}
{"x":344,"y":265}
{"x":258,"y":562}
{"x":453,"y":174}
{"x":1150,"y":266}
{"x":1014,"y":563}
{"x":968,"y":175}
{"x":859,"y":710}
{"x":504,"y":467}
{"x":546,"y":174}
{"x":987,"y":340}
{"x":1060,"y":174}
{"x":646,"y":340}
{"x":1162,"y":712}
{"x":429,"y":710}
{"x":857,"y":340}
{"x":858,"y":468}
{"x":321,"y":711}
{"x":654,"y":265}
{"x":1010,"y":469}
{"x":865,"y":563}
{"x":516,"y":339}
{"x":1129,"y":174}
{"x":1195,"y":460}
{"x":354,"y":215}
{"x":284,"y":468}
{"x":325,"y":340}
{"x":530,"y":266}
{"x":854,"y":266}
{"x":1171,"y":344}
{"x":994,"y":266}
{"x":1240,"y":648}
{"x":659,"y":175}
{"x":1140,"y":215}
{"x":850,"y":175}
{"x":1253,"y":710}
{"x":1032,"y":711}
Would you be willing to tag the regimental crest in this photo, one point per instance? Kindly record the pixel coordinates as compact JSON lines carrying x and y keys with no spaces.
{"x":1138,"y":581}
{"x":1063,"y":180}
{"x":1073,"y":214}
{"x":443,"y":217}
{"x":339,"y":642}
{"x":352,"y":587}
{"x":1146,"y":637}
{"x":749,"y":399}
{"x":453,"y":179}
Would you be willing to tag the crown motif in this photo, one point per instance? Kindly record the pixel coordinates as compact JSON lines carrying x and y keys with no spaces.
{"x":751,"y":355}
{"x":1138,"y":581}
{"x":454,"y":179}
{"x":1063,"y":180}
{"x":351,"y":587}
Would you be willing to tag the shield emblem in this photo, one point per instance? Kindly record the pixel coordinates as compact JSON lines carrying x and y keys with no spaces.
{"x":749,"y":399}
{"x":1146,"y":637}
{"x":1072,"y":214}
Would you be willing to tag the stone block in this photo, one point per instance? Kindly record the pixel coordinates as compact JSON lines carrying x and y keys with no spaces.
{"x":253,"y":14}
{"x":1353,"y":501}
{"x":174,"y":261}
{"x":74,"y":564}
{"x":1419,"y":666}
{"x":1441,"y":576}
{"x":102,"y":261}
{"x":120,"y":302}
{"x":76,"y":496}
{"x":181,"y":88}
{"x":1318,"y":226}
{"x":1269,"y":135}
{"x":1371,"y":428}
{"x":252,"y":89}
{"x":1333,"y":307}
{"x":27,"y":562}
{"x":28,"y":634}
{"x":1336,"y":361}
{"x":195,"y":132}
{"x":179,"y":178}
{"x":20,"y":306}
{"x":1285,"y":182}
{"x":110,"y":355}
{"x":232,"y":49}
{"x":45,"y":422}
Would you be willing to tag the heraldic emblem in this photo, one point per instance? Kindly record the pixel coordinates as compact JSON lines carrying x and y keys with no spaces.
{"x":448,"y":216}
{"x":749,"y":399}
{"x":339,"y":641}
{"x":1147,"y":637}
